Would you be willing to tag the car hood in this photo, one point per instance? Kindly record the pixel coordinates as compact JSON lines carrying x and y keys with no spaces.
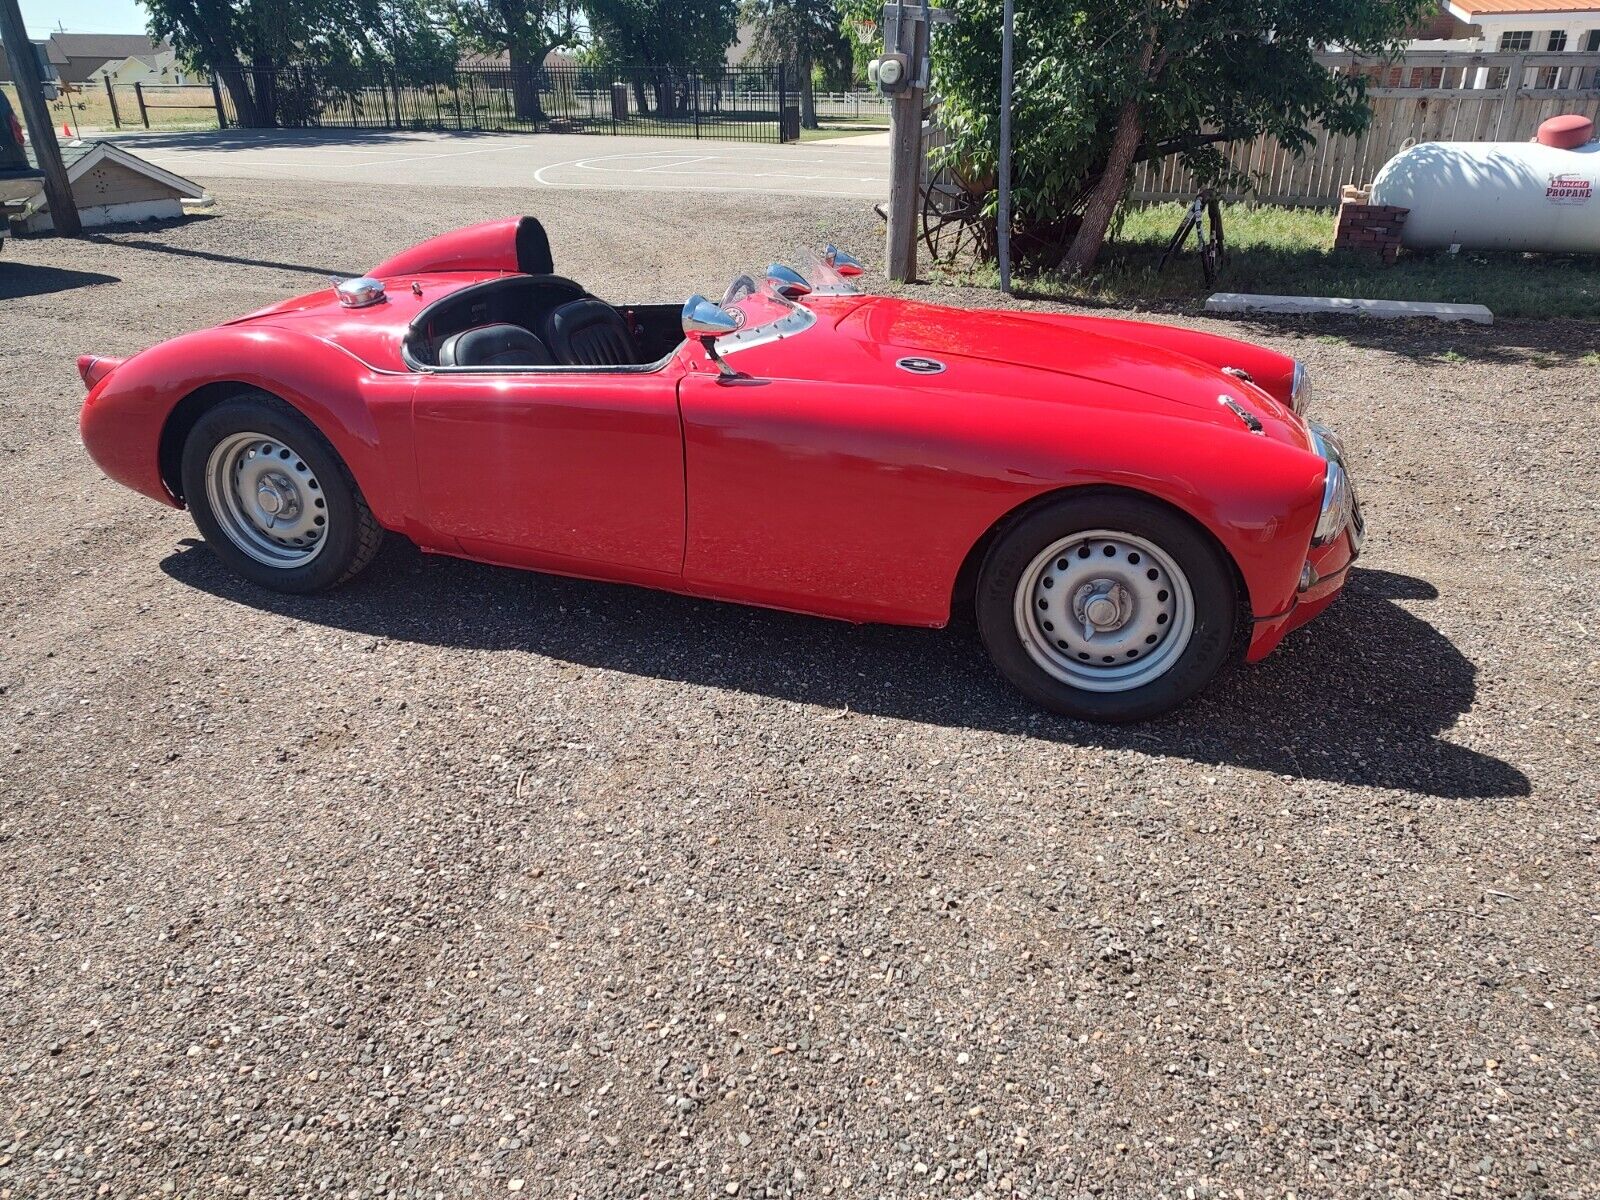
{"x":1117,"y":354}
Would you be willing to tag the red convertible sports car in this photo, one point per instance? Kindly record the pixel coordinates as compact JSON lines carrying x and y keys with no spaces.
{"x":1124,"y":507}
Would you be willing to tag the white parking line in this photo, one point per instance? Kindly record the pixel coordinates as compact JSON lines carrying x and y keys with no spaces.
{"x":679,"y":163}
{"x":676,"y":163}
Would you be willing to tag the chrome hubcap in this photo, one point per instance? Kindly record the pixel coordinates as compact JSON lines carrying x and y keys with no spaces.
{"x":267,"y":499}
{"x":1104,"y":611}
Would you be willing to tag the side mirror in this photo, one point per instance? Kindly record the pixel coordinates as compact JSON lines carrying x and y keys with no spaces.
{"x":705,"y":322}
{"x":847,"y":265}
{"x":787,"y":282}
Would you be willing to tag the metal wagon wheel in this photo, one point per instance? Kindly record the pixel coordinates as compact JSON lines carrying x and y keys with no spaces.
{"x":954,"y":226}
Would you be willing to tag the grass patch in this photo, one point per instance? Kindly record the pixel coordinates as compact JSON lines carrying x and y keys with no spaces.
{"x":1285,"y":251}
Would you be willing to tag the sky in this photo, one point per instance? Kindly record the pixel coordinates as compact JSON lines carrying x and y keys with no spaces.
{"x":83,"y":16}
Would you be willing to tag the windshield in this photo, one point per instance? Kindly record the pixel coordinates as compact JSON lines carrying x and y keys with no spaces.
{"x":766,"y":316}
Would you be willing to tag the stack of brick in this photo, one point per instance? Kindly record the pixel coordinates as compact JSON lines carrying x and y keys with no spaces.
{"x":1372,"y":228}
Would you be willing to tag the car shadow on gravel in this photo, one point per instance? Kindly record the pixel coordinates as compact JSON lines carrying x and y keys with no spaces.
{"x":108,"y":237}
{"x":1360,"y":696}
{"x":19,"y":279}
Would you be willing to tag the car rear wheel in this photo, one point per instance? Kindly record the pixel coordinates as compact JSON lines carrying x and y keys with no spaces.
{"x":272,"y":498}
{"x":1107,"y":607}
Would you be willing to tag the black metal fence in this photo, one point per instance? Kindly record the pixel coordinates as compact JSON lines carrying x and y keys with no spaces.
{"x":751,"y":104}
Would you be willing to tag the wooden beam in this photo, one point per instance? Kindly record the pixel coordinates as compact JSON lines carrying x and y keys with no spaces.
{"x":30,"y":93}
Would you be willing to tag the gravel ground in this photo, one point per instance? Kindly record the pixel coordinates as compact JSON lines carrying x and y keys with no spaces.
{"x":466,"y":882}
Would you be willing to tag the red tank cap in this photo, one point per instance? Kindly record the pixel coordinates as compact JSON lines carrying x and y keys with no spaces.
{"x":1566,"y":133}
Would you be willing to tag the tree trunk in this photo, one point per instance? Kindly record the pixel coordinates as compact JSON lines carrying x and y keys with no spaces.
{"x":231,"y":73}
{"x":525,"y":105}
{"x":808,"y":96}
{"x":639,"y":95}
{"x":666,"y":105}
{"x":1113,"y":182}
{"x":264,"y":85}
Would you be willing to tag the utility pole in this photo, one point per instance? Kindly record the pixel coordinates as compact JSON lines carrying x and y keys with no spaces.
{"x":30,"y":92}
{"x":1003,"y":228}
{"x":905,"y":32}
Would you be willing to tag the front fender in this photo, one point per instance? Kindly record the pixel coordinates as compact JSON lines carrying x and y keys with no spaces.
{"x":1272,"y":370}
{"x":365,"y":414}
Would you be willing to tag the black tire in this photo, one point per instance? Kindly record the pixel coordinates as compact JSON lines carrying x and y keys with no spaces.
{"x":1216,"y":618}
{"x":352,"y":536}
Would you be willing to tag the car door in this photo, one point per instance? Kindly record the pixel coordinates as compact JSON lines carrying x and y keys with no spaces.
{"x":563,"y":470}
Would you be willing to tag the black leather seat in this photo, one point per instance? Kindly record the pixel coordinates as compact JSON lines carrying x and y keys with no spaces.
{"x":589,"y":333}
{"x":494,"y":346}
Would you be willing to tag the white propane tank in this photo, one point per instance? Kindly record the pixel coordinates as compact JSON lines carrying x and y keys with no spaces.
{"x":1535,"y":196}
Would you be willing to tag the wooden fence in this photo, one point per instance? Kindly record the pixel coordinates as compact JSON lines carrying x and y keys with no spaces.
{"x":1429,"y":96}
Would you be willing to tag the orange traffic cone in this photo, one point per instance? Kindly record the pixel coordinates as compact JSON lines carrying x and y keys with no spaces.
{"x":65,"y":132}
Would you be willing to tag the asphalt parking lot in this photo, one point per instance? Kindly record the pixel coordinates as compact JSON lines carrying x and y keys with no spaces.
{"x":468,"y":882}
{"x":392,"y":161}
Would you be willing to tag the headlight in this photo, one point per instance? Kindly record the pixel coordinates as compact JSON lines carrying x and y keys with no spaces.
{"x":1300,"y":388}
{"x":1336,"y":505}
{"x":1338,"y":497}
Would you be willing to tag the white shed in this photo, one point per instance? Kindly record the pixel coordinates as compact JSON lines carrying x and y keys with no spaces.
{"x":112,"y":186}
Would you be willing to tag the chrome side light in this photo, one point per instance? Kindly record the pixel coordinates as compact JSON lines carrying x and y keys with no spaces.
{"x":1300,"y":389}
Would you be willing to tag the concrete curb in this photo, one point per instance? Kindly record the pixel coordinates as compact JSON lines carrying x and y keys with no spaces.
{"x":1390,"y":310}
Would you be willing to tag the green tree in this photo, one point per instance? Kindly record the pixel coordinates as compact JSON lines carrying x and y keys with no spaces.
{"x":413,"y":35}
{"x":526,"y":30}
{"x":659,"y":35}
{"x":1101,"y":86}
{"x":223,"y":36}
{"x":244,"y":44}
{"x":805,"y":36}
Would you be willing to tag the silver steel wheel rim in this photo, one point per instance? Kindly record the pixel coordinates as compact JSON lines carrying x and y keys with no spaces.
{"x":1104,"y":611}
{"x":267,"y":499}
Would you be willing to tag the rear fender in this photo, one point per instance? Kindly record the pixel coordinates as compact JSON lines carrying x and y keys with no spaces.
{"x":364,"y":414}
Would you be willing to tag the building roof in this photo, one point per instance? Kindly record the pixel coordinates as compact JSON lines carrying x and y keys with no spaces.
{"x":104,"y":46}
{"x":1471,"y":10}
{"x":78,"y":156}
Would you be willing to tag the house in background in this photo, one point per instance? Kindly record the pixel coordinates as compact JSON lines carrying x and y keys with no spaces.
{"x":76,"y":56}
{"x":161,"y":67}
{"x":1445,"y":31}
{"x":1534,"y":26}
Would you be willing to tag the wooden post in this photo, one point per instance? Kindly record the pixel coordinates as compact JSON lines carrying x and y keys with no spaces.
{"x":1003,"y":225}
{"x":30,"y":94}
{"x":908,"y":35}
{"x":111,"y":99}
{"x":138,"y":94}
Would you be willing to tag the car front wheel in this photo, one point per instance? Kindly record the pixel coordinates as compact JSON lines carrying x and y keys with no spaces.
{"x":1107,"y":607}
{"x":272,"y":498}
